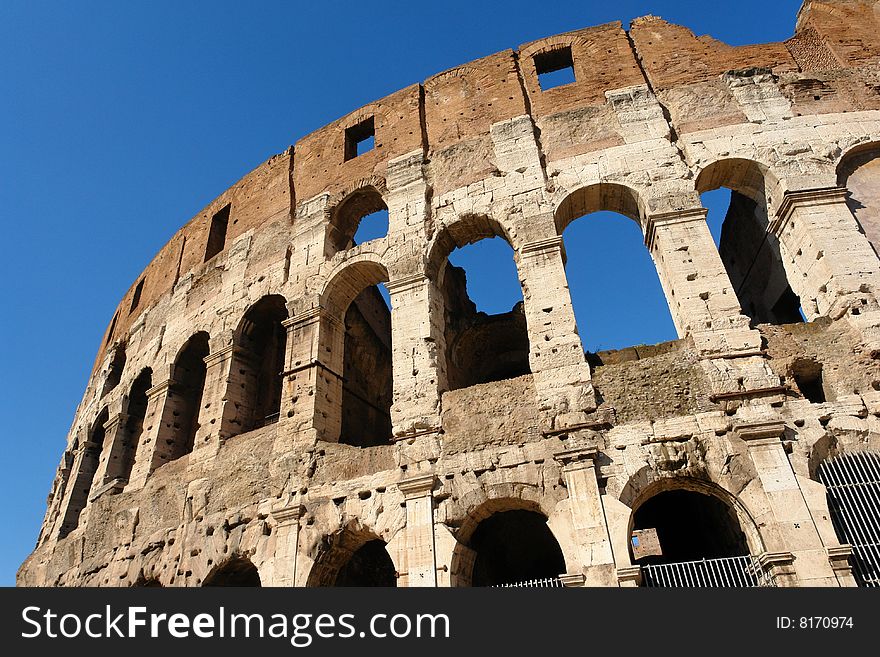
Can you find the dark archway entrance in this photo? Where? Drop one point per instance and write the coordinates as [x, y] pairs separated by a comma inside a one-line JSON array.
[[236, 572], [370, 565]]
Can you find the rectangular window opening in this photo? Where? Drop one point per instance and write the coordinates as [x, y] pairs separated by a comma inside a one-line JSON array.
[[136, 297], [360, 139], [555, 68], [217, 235]]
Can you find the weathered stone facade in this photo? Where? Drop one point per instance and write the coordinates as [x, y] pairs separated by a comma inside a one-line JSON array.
[[255, 410]]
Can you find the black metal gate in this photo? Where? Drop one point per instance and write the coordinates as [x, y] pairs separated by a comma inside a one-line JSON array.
[[853, 483]]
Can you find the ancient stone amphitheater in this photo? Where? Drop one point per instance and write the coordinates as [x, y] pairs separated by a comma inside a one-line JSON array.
[[257, 415]]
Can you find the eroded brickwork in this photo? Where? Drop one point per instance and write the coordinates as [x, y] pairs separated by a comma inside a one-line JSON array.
[[257, 414]]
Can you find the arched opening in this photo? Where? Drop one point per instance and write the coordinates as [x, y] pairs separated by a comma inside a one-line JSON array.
[[750, 254], [859, 173], [147, 582], [134, 424], [686, 538], [485, 333], [616, 294], [356, 295], [261, 342], [353, 558], [117, 365], [360, 217], [85, 475], [238, 571], [515, 547], [852, 482], [185, 396]]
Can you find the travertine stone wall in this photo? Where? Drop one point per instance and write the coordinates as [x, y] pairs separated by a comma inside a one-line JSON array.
[[656, 116]]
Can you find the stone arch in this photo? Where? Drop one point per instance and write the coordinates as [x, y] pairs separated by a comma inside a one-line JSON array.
[[178, 437], [751, 253], [86, 466], [354, 555], [117, 365], [834, 443], [647, 484], [613, 197], [259, 348], [477, 347], [858, 170], [136, 412], [487, 501], [346, 210], [358, 333], [235, 571]]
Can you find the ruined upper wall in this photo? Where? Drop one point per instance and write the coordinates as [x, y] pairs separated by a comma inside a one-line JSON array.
[[448, 118]]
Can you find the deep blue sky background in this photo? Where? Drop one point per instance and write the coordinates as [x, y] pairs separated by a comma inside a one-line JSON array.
[[121, 120]]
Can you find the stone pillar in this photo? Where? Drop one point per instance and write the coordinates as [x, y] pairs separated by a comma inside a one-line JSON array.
[[217, 411], [705, 307], [108, 476], [417, 346], [830, 263], [556, 355], [792, 540], [587, 517], [158, 421], [286, 544], [312, 396], [421, 559]]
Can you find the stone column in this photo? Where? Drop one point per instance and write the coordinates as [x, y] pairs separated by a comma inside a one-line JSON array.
[[286, 544], [705, 307], [794, 548], [830, 263], [587, 517], [217, 411], [108, 477], [556, 355], [417, 346], [312, 396], [158, 421], [421, 559]]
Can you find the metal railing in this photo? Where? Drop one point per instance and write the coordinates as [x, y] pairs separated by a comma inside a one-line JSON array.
[[853, 484], [729, 572], [545, 583]]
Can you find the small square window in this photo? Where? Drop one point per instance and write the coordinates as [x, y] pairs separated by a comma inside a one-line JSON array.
[[360, 139], [555, 68], [136, 297], [217, 234]]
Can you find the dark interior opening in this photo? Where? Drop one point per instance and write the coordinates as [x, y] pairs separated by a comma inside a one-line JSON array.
[[359, 138], [264, 338], [117, 365], [237, 572], [134, 425], [690, 526], [370, 565], [807, 376], [82, 484], [217, 234], [367, 386], [515, 546], [189, 380], [136, 297], [555, 68]]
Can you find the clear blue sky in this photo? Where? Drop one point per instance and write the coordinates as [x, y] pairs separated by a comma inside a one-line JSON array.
[[121, 120]]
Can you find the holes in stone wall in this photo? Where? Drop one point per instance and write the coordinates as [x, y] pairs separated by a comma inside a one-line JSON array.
[[217, 233], [360, 139], [555, 68]]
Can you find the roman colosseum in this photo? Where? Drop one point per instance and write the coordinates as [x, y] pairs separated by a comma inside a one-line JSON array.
[[257, 415]]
